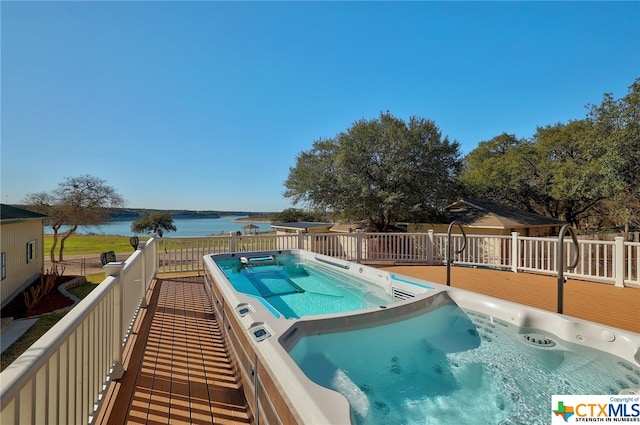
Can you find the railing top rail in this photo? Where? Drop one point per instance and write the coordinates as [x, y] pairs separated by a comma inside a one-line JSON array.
[[132, 259], [555, 239], [533, 238], [484, 235], [594, 242], [173, 238], [473, 235]]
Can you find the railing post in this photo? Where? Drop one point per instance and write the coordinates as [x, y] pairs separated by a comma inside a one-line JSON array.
[[115, 269], [301, 233], [515, 252], [618, 261], [430, 249], [359, 233], [143, 278], [232, 241], [153, 244]]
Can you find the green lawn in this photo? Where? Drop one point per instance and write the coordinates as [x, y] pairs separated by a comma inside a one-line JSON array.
[[90, 244], [38, 329]]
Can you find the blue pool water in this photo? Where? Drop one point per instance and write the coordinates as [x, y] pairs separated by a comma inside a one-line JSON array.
[[294, 288], [450, 366]]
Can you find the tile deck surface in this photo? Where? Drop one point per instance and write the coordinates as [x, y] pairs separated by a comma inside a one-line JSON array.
[[178, 370]]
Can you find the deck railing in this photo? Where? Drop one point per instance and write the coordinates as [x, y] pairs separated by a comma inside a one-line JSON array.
[[63, 376], [616, 262]]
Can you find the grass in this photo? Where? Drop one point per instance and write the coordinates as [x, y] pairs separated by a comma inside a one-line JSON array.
[[97, 244], [93, 280], [83, 290], [45, 322], [38, 329], [90, 244]]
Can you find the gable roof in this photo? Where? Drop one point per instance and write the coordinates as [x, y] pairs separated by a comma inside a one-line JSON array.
[[477, 213], [10, 213]]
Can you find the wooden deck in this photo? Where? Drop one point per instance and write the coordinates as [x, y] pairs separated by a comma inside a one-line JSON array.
[[177, 368], [596, 302], [178, 371]]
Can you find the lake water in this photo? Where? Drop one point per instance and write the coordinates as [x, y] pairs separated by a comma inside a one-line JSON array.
[[186, 227]]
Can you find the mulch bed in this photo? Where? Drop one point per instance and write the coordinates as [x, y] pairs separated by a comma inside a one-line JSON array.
[[54, 300]]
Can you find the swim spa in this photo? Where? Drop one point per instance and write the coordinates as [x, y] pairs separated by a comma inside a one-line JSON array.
[[293, 287], [420, 357]]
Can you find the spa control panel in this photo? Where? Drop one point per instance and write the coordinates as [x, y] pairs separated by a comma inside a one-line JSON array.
[[244, 309], [259, 333]]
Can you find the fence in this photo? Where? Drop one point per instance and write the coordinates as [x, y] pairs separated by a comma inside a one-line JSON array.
[[616, 262], [607, 261], [62, 377]]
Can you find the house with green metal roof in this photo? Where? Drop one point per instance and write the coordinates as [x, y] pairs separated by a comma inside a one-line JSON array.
[[21, 250]]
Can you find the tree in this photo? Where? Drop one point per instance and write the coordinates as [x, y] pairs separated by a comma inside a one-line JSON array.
[[560, 173], [617, 130], [382, 169], [291, 215], [503, 170], [84, 200], [572, 170], [157, 222]]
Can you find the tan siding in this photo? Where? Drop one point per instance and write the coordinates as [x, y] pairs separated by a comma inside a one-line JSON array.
[[15, 236]]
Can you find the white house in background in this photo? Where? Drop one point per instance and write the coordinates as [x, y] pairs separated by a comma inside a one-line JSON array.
[[22, 260]]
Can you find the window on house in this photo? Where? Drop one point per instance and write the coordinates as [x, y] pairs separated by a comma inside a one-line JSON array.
[[3, 261], [32, 250]]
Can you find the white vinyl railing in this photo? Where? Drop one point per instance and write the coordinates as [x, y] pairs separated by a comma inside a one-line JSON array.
[[630, 264], [616, 262], [63, 376]]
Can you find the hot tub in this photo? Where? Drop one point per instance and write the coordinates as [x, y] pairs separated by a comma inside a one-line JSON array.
[[415, 352]]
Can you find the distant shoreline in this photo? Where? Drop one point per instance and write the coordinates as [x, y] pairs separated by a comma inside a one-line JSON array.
[[251, 220], [124, 214], [186, 227], [260, 218]]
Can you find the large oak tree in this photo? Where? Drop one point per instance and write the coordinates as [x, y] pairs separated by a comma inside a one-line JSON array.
[[617, 129], [582, 171], [383, 170], [502, 169]]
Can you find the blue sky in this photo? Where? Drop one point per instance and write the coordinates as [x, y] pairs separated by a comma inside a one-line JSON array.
[[205, 105]]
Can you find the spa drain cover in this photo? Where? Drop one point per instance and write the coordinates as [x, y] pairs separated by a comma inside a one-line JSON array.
[[538, 340]]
